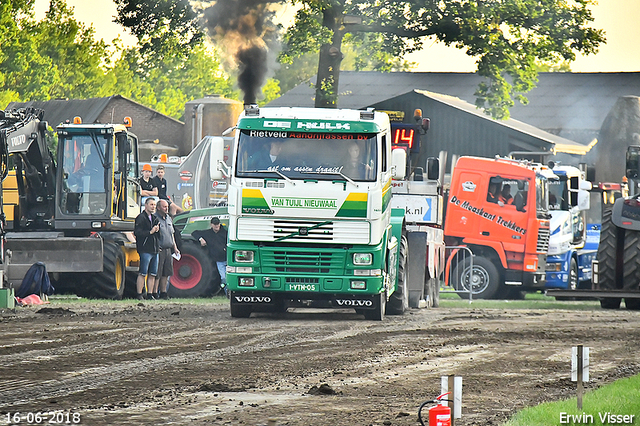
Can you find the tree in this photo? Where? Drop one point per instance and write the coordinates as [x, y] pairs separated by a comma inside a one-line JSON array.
[[507, 37], [163, 27]]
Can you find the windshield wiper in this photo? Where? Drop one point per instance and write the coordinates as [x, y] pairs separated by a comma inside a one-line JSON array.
[[345, 177], [278, 172], [305, 230]]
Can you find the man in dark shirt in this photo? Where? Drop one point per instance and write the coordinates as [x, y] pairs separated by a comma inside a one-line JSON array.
[[215, 239], [161, 183], [148, 189], [147, 233]]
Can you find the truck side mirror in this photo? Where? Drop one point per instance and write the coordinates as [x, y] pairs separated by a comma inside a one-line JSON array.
[[398, 163], [216, 157], [433, 168]]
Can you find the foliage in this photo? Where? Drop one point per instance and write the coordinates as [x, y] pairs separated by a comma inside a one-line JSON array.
[[172, 82], [164, 28], [58, 57], [506, 37]]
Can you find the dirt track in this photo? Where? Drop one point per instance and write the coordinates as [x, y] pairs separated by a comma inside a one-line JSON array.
[[176, 363]]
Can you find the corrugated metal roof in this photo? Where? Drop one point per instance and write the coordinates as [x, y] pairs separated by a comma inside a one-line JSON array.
[[58, 110], [561, 144], [562, 103]]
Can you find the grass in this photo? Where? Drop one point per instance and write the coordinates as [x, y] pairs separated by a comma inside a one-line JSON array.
[[531, 301], [619, 398]]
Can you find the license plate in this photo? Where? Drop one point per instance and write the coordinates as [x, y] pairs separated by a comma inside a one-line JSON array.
[[302, 287]]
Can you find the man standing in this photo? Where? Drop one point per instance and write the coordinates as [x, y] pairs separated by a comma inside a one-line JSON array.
[[147, 233], [168, 246], [161, 183], [215, 239], [147, 188]]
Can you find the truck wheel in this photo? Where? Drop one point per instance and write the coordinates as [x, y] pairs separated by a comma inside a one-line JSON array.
[[110, 283], [632, 304], [484, 280], [573, 275], [609, 259], [377, 314], [433, 290], [192, 274], [399, 300], [238, 310]]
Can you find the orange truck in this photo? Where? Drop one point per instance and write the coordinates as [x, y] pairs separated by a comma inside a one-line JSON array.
[[497, 223]]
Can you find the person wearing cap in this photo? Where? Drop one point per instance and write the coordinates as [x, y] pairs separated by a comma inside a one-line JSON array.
[[148, 189], [215, 240], [161, 184]]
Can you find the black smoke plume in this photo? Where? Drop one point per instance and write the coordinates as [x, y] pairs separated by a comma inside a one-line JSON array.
[[245, 29], [253, 72]]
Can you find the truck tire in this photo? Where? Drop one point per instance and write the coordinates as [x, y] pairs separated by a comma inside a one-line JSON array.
[[130, 285], [399, 300], [377, 314], [110, 283], [238, 310], [609, 262], [193, 274], [484, 280], [632, 304], [433, 291], [572, 284]]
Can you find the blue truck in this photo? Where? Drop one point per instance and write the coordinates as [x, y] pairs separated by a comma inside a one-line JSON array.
[[573, 243]]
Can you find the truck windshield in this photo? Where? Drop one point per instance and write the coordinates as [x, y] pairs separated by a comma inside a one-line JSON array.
[[304, 155], [83, 174], [558, 194]]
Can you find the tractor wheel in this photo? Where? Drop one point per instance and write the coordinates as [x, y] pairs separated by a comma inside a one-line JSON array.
[[377, 314], [193, 273], [609, 260], [110, 283], [399, 300], [483, 281]]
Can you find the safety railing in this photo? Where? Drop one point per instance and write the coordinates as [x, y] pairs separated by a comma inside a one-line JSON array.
[[460, 281]]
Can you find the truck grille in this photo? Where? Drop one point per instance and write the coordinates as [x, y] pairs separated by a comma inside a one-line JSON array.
[[543, 241], [336, 231], [302, 262]]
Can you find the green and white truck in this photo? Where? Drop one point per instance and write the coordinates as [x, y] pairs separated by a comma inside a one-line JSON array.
[[310, 215]]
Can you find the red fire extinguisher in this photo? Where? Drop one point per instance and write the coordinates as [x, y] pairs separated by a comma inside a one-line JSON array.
[[439, 415]]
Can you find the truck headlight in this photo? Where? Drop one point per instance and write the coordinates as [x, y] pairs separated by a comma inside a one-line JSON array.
[[358, 285], [362, 259], [243, 256], [245, 282], [554, 267]]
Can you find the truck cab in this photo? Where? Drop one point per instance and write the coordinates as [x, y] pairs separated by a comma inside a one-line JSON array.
[[310, 220], [498, 209], [573, 243]]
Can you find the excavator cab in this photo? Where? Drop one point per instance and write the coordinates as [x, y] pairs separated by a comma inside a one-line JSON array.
[[97, 178]]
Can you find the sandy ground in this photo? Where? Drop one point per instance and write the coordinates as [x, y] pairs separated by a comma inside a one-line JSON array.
[[166, 362]]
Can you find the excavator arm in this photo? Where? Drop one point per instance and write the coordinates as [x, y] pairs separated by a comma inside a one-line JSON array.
[[23, 134]]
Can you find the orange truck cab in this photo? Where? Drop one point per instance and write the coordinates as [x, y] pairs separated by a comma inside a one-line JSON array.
[[498, 209]]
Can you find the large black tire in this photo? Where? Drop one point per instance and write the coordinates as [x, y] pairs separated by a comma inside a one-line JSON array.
[[484, 280], [433, 291], [238, 310], [377, 314], [632, 304], [609, 259], [573, 275], [399, 300], [130, 285], [193, 275], [110, 283]]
